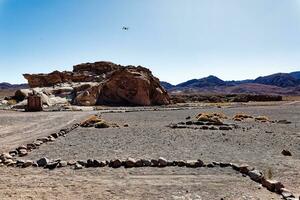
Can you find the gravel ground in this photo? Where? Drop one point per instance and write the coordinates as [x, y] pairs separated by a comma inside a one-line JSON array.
[[149, 137], [18, 128]]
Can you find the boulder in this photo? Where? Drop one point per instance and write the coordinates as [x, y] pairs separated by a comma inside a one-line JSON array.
[[133, 86]]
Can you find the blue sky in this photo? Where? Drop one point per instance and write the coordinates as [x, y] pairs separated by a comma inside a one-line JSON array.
[[177, 39]]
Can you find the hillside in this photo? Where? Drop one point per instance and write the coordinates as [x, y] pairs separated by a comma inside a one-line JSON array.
[[277, 84]]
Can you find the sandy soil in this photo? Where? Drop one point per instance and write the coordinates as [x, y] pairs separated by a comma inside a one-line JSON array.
[[149, 137]]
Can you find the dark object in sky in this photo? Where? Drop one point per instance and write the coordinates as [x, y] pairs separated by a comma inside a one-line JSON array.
[[125, 28]]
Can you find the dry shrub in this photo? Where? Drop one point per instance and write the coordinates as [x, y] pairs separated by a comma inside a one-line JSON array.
[[91, 121], [97, 122], [241, 117], [11, 102], [262, 119], [102, 124], [269, 173], [211, 117]]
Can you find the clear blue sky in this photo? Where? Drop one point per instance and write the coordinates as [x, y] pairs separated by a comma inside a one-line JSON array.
[[177, 39]]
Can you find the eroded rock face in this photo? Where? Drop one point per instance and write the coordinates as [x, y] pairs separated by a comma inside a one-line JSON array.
[[97, 67], [133, 86], [100, 83], [56, 77]]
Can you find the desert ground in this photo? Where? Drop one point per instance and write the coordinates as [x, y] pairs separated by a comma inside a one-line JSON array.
[[148, 136]]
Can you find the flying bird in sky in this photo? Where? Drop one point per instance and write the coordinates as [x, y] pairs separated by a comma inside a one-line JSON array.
[[125, 28]]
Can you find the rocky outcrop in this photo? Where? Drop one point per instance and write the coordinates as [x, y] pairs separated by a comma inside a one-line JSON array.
[[100, 83], [56, 77], [97, 67], [133, 86]]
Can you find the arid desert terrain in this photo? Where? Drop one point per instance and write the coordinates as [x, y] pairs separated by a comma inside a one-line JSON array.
[[150, 133]]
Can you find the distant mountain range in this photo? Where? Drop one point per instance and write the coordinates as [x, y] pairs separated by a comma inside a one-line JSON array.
[[6, 86], [279, 83]]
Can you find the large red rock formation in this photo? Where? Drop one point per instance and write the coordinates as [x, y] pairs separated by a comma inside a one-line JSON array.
[[115, 84]]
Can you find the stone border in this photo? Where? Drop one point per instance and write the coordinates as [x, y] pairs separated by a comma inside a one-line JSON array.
[[245, 170]]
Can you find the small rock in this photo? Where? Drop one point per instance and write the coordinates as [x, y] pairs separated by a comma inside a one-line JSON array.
[[283, 122], [154, 163], [216, 163], [78, 166], [82, 162], [31, 146], [213, 128], [146, 163], [225, 128], [286, 193], [130, 162], [96, 163], [13, 153], [27, 163], [20, 163], [181, 163], [23, 152], [51, 165], [126, 125], [162, 162], [38, 143], [224, 164], [188, 117], [199, 123], [55, 135], [22, 147], [244, 169], [272, 185], [286, 153], [193, 163], [189, 123], [10, 163], [139, 163], [255, 175], [235, 166], [210, 165], [90, 163], [115, 163], [44, 139], [71, 162], [5, 156], [42, 162], [62, 163], [51, 138], [204, 127]]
